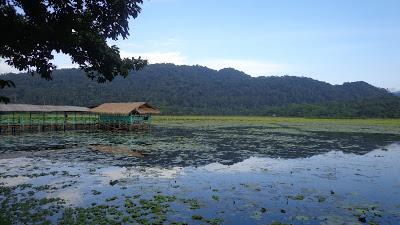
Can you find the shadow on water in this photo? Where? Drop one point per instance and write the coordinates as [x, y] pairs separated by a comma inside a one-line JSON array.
[[169, 147]]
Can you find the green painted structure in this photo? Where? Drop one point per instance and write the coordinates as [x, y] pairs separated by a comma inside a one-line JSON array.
[[16, 118], [20, 117], [125, 116], [24, 119], [125, 119]]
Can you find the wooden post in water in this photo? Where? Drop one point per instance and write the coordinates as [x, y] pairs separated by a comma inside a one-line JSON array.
[[39, 126], [30, 121], [74, 120], [65, 121], [51, 122], [21, 121], [13, 124], [43, 121], [130, 122]]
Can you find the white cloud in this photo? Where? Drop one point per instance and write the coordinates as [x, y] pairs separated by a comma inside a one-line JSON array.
[[158, 57], [165, 44], [60, 60], [396, 89], [5, 68], [251, 67], [64, 61]]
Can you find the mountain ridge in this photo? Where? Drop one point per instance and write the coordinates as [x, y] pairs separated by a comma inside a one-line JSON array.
[[196, 89]]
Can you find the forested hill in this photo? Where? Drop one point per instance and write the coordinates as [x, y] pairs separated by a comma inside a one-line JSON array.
[[186, 89]]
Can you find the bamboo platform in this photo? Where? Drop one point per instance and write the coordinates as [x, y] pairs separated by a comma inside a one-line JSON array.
[[17, 128], [18, 118], [18, 125]]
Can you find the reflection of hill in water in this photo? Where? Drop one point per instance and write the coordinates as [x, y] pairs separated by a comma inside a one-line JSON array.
[[166, 147]]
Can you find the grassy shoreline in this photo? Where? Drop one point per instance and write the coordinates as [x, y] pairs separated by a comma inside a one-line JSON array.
[[267, 119], [379, 126]]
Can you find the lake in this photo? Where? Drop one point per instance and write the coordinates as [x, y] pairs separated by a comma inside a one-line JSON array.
[[204, 172]]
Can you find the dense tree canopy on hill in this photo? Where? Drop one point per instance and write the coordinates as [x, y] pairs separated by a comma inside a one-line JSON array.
[[189, 90], [34, 30], [383, 107]]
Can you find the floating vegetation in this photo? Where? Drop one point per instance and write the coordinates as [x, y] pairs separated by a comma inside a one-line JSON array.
[[111, 199], [193, 203], [121, 150], [215, 197], [302, 218], [26, 210], [279, 223], [298, 197], [197, 217], [257, 215], [144, 211], [321, 198], [236, 171], [95, 192]]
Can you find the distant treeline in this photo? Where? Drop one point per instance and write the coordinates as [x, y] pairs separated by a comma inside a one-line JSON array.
[[384, 107], [200, 90], [387, 107]]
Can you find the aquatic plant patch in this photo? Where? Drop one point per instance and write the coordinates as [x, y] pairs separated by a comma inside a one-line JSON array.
[[192, 171]]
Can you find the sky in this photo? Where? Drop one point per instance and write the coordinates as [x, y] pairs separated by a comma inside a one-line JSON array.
[[329, 40]]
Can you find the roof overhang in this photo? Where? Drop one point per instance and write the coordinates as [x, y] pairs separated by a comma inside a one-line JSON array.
[[125, 108], [8, 108]]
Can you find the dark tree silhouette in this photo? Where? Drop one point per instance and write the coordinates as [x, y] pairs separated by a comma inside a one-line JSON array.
[[34, 30]]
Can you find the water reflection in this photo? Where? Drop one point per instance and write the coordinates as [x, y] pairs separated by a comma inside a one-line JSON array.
[[333, 188], [182, 147]]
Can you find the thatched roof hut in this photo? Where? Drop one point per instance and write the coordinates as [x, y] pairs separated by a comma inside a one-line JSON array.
[[9, 108], [125, 108]]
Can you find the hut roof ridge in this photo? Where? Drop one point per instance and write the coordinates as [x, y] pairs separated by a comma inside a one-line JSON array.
[[40, 108], [125, 108]]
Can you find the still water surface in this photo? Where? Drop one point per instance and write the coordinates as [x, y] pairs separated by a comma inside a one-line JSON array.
[[214, 175]]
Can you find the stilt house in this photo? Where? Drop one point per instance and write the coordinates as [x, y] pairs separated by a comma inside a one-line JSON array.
[[124, 116], [22, 117]]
